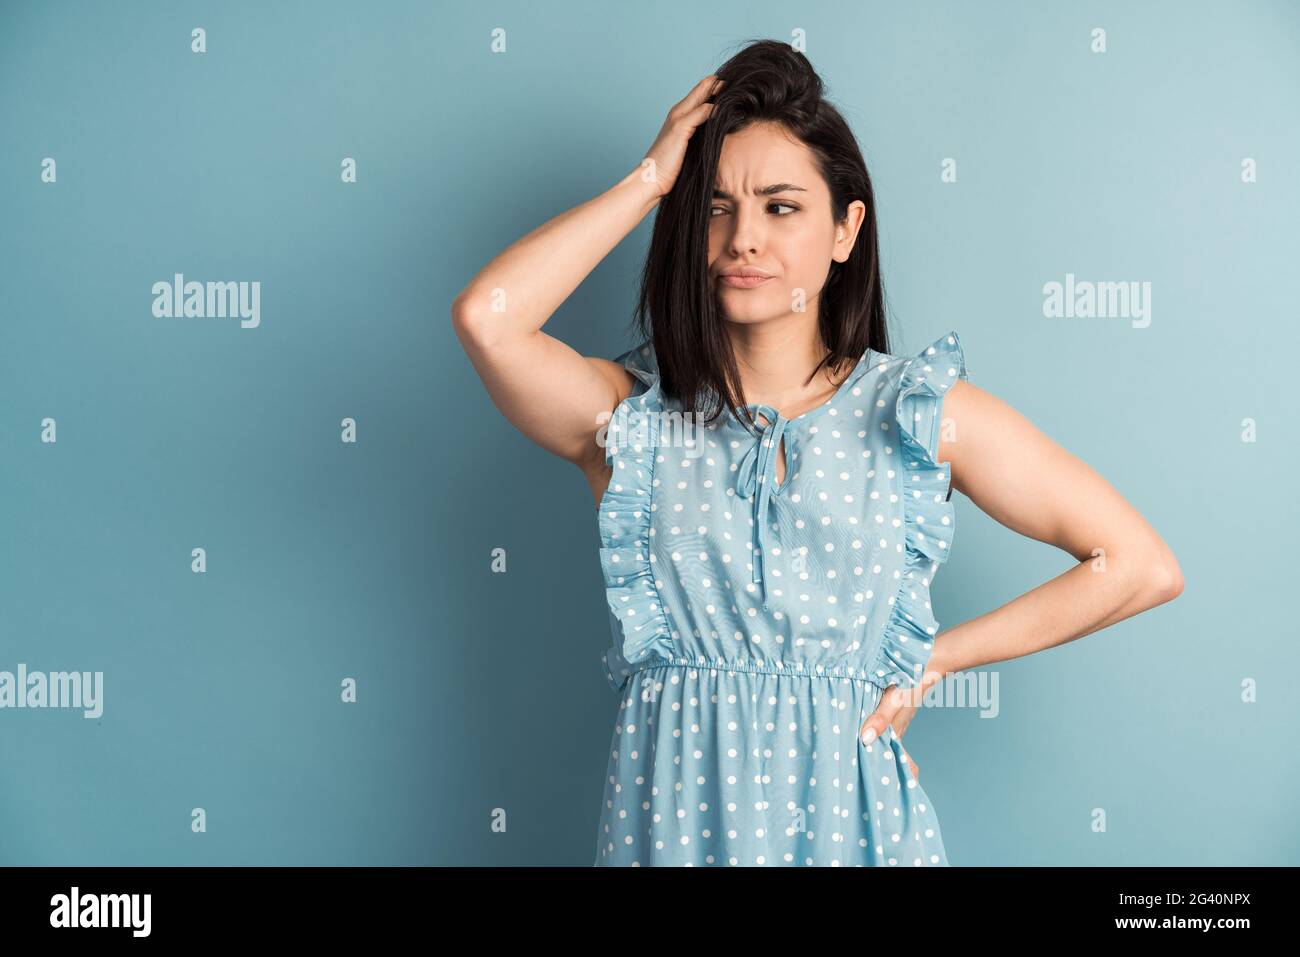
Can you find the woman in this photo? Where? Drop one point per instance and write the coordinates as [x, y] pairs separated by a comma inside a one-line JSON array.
[[769, 533]]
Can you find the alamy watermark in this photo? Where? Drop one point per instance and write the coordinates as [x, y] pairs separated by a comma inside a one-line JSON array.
[[958, 689], [76, 909], [54, 689], [678, 430], [179, 299], [1082, 299]]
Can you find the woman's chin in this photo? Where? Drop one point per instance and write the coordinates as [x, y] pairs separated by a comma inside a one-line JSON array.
[[742, 309]]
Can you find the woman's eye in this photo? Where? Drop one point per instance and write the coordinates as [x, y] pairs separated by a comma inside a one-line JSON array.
[[793, 209]]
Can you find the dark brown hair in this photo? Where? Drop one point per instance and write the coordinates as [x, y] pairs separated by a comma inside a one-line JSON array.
[[767, 81]]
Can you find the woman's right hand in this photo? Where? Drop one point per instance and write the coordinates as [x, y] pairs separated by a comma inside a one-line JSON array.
[[663, 163]]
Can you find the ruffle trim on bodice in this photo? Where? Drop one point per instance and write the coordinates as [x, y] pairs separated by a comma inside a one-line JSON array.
[[908, 637], [638, 618], [631, 440]]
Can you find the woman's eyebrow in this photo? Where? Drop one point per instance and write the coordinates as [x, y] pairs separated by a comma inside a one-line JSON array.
[[762, 191]]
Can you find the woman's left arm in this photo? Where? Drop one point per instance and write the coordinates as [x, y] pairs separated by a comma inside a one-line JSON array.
[[1024, 480], [1019, 476]]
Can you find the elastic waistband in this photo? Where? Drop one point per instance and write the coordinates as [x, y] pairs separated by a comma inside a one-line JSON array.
[[796, 670]]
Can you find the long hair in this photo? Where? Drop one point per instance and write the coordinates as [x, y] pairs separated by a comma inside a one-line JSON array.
[[767, 81]]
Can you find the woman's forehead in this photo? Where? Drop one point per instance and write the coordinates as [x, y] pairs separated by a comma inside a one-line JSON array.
[[752, 161]]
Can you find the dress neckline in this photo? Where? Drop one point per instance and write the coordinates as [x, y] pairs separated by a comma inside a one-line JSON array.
[[849, 380]]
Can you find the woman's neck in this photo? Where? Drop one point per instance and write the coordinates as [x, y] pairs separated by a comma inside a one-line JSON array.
[[774, 361]]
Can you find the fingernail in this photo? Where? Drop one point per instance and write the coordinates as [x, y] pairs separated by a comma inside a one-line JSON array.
[[869, 735]]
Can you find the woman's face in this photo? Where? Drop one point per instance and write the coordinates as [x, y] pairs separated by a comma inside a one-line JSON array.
[[771, 212]]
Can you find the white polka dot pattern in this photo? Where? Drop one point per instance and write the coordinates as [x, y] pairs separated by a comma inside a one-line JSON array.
[[755, 624]]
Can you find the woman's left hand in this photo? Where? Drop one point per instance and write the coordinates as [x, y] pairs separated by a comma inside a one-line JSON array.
[[899, 705], [895, 709]]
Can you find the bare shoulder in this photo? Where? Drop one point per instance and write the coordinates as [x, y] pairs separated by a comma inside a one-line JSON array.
[[1016, 473], [976, 419], [965, 402]]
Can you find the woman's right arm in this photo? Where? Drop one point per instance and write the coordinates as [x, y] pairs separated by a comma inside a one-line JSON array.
[[550, 392], [546, 389]]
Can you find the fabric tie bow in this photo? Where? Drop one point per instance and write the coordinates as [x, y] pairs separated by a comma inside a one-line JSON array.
[[756, 478]]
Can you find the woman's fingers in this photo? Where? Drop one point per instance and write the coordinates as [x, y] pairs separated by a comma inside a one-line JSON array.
[[891, 704], [879, 719], [697, 116], [669, 148], [684, 124], [699, 93]]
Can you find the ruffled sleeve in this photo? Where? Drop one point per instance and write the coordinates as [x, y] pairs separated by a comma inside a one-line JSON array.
[[927, 514], [637, 618]]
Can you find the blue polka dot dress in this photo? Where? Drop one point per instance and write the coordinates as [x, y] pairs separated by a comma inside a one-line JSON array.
[[756, 624]]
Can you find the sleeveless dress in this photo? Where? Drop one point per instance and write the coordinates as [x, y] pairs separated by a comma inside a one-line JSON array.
[[756, 625]]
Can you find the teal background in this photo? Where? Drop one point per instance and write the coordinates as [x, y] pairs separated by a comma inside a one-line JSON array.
[[478, 690]]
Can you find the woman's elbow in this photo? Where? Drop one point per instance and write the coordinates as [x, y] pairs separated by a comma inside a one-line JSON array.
[[473, 327], [1166, 582]]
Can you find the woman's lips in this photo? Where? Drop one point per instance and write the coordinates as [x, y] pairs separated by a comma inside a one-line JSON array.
[[745, 282]]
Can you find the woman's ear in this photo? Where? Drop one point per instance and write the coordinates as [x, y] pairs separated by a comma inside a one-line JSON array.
[[847, 231]]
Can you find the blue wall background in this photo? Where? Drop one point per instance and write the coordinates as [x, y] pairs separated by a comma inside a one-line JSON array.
[[479, 690]]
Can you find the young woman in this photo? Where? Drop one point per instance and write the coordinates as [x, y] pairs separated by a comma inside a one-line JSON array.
[[772, 488]]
